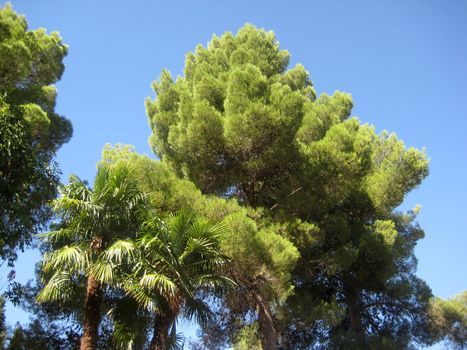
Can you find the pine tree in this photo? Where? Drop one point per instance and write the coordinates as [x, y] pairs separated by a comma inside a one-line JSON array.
[[240, 125], [31, 132]]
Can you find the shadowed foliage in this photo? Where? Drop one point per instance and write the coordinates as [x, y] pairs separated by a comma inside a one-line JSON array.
[[31, 131]]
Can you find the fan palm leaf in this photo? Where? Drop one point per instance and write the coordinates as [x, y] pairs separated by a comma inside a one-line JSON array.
[[94, 238]]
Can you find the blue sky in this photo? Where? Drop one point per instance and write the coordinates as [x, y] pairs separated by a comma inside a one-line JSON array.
[[404, 62]]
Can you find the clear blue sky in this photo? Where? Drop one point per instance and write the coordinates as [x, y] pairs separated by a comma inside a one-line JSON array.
[[404, 62]]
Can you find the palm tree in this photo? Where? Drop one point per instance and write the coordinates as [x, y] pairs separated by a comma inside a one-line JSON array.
[[186, 258], [168, 269], [90, 220]]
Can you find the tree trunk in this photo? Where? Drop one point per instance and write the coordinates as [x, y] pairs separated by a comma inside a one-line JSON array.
[[266, 324], [92, 305], [355, 315], [161, 331]]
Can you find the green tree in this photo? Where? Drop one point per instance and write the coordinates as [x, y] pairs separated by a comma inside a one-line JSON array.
[[91, 220], [247, 339], [239, 124], [61, 323], [180, 260], [239, 96], [35, 337], [361, 250], [261, 259], [17, 340], [30, 130], [448, 320]]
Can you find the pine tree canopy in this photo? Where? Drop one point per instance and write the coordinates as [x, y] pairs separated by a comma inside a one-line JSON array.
[[31, 132], [242, 125]]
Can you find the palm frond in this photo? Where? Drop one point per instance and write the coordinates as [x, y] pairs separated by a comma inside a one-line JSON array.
[[160, 283], [197, 310], [100, 181], [103, 271], [206, 264], [72, 258], [153, 244], [59, 288], [206, 229], [76, 188], [130, 324], [175, 341], [123, 338], [57, 235], [67, 204], [179, 225], [144, 297], [200, 246], [121, 251], [215, 282]]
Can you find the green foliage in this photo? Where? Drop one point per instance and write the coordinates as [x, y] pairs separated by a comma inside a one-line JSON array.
[[36, 337], [30, 130], [236, 94], [257, 250], [448, 320], [248, 339], [299, 195], [261, 258], [31, 61], [162, 271], [22, 204], [180, 258], [153, 266], [91, 221], [240, 125]]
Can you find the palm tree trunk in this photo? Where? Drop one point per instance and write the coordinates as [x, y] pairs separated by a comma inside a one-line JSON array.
[[162, 325], [267, 331], [355, 316], [92, 305]]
